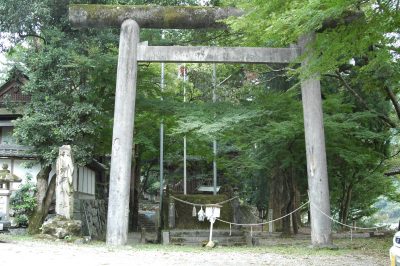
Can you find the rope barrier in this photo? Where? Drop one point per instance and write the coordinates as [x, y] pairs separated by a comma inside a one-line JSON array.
[[267, 222], [277, 219], [197, 204], [349, 226]]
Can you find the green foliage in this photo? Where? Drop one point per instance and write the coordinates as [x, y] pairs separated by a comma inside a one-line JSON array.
[[346, 29], [23, 202], [355, 53]]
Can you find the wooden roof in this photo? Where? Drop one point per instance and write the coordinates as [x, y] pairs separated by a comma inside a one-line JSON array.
[[11, 90]]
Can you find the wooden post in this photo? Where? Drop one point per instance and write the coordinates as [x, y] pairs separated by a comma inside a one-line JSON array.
[[321, 235], [118, 203]]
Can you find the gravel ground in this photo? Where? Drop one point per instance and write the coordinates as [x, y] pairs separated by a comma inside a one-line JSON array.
[[58, 254]]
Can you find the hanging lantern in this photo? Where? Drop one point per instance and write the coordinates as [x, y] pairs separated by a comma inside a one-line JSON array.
[[201, 215]]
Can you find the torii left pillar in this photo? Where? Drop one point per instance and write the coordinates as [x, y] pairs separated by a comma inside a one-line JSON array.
[[125, 95]]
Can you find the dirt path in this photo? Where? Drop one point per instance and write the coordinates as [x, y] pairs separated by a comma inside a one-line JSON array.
[[59, 254]]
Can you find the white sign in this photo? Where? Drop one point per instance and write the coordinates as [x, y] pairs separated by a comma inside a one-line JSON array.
[[213, 211]]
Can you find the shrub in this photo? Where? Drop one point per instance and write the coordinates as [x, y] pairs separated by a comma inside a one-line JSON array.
[[23, 202]]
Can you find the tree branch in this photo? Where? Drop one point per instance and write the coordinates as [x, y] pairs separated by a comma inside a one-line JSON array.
[[33, 35], [393, 99], [350, 89], [361, 100]]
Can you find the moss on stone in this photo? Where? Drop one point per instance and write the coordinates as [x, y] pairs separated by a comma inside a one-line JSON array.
[[148, 16], [185, 220]]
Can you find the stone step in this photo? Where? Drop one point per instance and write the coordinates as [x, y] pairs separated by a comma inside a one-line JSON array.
[[145, 221], [205, 233], [267, 235], [201, 240], [147, 226]]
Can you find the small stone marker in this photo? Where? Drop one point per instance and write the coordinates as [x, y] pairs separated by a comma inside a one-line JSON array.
[[270, 218]]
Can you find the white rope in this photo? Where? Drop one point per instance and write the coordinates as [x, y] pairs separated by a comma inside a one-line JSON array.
[[225, 201], [349, 226], [277, 219], [203, 204], [267, 222]]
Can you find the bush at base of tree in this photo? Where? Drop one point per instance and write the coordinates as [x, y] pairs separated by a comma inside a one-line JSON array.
[[23, 202]]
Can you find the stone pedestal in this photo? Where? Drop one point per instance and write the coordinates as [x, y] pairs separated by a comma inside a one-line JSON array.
[[5, 209], [6, 179], [5, 204], [61, 227], [165, 237]]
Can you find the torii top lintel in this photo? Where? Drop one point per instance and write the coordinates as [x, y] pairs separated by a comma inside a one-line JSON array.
[[160, 17]]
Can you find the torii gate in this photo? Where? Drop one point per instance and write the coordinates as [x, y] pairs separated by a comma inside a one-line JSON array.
[[130, 19]]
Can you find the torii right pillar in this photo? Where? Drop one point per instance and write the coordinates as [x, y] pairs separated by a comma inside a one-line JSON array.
[[321, 234]]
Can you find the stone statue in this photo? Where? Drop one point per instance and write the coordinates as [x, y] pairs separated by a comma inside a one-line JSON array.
[[64, 186]]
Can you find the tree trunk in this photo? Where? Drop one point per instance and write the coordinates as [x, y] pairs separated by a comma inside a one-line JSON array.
[[295, 203], [276, 199], [134, 191], [50, 193], [44, 195], [341, 207], [103, 185], [346, 205], [287, 195]]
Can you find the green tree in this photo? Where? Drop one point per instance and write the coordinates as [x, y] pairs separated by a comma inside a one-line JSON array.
[[351, 36]]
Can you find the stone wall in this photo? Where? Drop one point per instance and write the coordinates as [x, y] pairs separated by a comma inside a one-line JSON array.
[[93, 214]]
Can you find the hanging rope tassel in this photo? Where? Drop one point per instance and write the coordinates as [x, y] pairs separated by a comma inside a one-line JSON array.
[[251, 231], [201, 214], [230, 229], [194, 211]]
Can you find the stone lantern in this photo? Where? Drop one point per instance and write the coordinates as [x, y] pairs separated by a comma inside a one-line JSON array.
[[6, 178]]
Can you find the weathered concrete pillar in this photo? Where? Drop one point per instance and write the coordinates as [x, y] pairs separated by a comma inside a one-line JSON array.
[[171, 215], [120, 172], [321, 235], [270, 218]]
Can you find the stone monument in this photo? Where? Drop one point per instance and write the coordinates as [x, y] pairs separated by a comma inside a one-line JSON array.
[[64, 183]]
